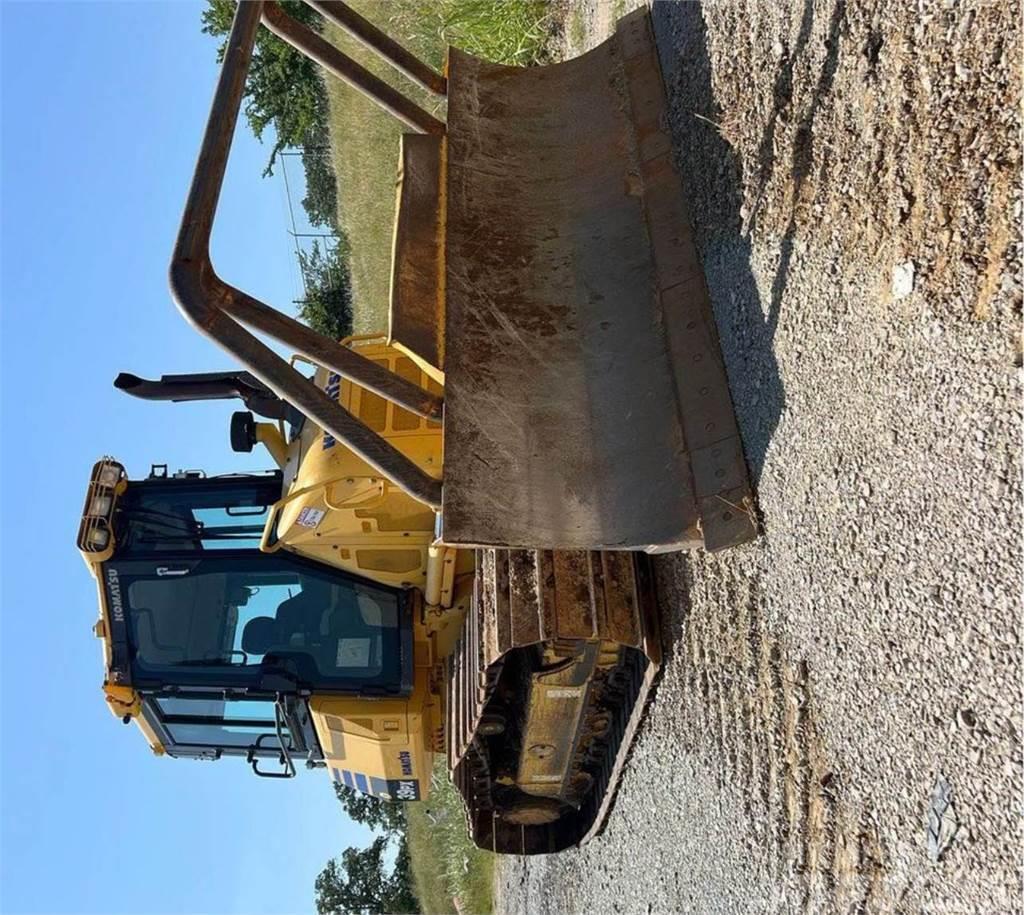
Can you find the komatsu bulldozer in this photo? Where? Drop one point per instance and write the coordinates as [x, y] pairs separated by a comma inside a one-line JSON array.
[[449, 554]]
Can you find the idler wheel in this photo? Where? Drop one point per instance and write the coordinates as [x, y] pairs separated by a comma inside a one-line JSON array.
[[491, 725]]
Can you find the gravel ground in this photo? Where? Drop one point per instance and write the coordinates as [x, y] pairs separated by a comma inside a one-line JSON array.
[[854, 176]]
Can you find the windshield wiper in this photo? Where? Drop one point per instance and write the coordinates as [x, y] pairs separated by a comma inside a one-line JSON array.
[[238, 532], [197, 532], [213, 662], [206, 662]]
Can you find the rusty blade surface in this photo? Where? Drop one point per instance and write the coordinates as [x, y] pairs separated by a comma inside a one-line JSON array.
[[587, 406]]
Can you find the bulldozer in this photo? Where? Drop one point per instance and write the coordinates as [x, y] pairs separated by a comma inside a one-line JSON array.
[[450, 553]]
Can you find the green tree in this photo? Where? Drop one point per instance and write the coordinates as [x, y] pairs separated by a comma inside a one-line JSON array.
[[321, 200], [358, 882], [327, 303], [374, 812], [284, 88], [404, 896]]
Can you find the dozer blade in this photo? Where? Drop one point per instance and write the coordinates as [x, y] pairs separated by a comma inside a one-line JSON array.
[[587, 405]]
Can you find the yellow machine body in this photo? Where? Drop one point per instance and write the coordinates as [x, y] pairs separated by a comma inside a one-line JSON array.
[[339, 510], [547, 300], [335, 509], [381, 747]]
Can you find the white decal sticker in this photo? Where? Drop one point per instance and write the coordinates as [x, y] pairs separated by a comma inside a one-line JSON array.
[[310, 517], [407, 791], [353, 652], [563, 692], [114, 590]]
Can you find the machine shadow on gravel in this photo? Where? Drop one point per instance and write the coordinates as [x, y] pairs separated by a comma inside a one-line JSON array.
[[803, 146], [711, 176]]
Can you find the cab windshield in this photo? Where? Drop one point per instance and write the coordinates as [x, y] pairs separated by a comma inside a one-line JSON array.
[[241, 618]]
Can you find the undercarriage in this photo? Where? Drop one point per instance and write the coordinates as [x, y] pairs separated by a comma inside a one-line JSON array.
[[545, 691]]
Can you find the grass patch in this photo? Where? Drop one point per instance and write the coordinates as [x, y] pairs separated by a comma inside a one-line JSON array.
[[445, 862], [577, 28], [364, 140]]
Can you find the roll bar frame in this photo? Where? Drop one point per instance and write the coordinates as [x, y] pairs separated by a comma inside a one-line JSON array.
[[222, 312]]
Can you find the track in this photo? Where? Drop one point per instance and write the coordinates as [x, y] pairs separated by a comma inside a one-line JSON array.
[[523, 598], [816, 683]]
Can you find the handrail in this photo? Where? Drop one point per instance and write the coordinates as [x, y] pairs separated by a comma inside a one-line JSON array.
[[269, 542], [335, 356], [215, 308]]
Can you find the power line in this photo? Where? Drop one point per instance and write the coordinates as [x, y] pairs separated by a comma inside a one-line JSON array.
[[296, 234]]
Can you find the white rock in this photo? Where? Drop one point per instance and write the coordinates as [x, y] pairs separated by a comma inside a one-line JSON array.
[[903, 280]]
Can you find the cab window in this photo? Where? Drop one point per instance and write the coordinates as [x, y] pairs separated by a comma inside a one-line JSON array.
[[200, 514], [231, 617], [216, 723]]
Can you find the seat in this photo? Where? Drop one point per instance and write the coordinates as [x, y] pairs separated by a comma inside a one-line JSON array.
[[260, 635], [302, 614]]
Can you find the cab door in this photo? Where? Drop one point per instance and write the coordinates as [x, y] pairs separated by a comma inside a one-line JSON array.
[[210, 726], [267, 623]]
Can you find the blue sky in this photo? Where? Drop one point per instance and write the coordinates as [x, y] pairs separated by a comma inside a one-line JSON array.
[[98, 145]]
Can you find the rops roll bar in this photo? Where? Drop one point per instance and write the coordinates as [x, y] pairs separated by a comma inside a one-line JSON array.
[[222, 312]]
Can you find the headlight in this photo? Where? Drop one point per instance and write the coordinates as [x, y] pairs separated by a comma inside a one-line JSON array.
[[100, 505], [98, 538], [110, 475], [95, 536]]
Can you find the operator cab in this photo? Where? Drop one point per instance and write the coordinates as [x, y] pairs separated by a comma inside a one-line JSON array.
[[222, 642]]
